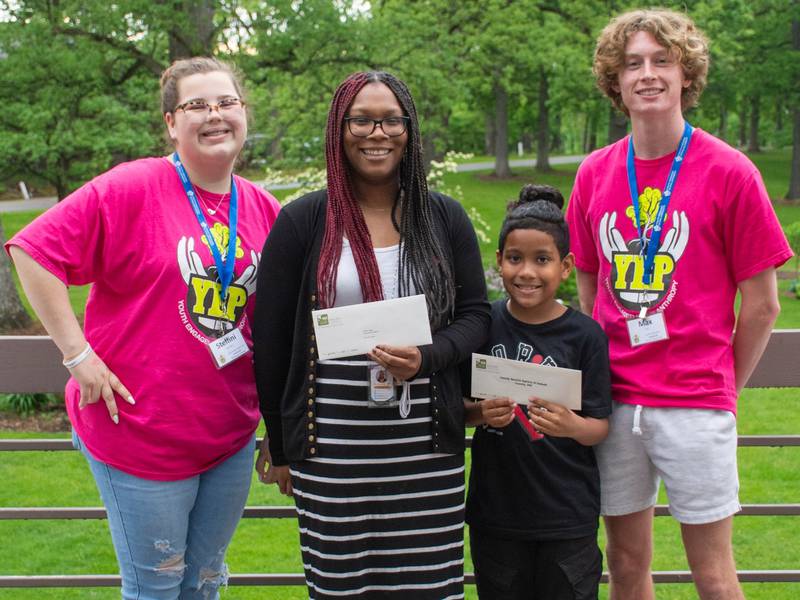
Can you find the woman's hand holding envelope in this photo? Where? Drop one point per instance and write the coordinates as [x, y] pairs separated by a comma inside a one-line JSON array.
[[403, 362]]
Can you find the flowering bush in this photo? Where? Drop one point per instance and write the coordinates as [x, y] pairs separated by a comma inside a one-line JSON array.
[[792, 232], [436, 181], [310, 179]]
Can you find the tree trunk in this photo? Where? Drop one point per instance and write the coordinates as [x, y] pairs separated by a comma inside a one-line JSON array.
[[723, 122], [557, 140], [743, 124], [428, 151], [543, 128], [590, 132], [755, 116], [198, 38], [617, 125], [489, 135], [587, 124], [62, 191], [501, 166], [527, 141], [794, 177], [13, 315]]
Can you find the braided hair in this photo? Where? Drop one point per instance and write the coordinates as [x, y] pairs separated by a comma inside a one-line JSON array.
[[538, 207], [423, 265]]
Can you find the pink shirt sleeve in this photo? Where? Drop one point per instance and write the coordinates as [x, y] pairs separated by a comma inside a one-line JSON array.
[[67, 240], [752, 233], [582, 241]]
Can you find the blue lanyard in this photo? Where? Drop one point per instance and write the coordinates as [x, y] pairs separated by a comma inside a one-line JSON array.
[[661, 215], [224, 267]]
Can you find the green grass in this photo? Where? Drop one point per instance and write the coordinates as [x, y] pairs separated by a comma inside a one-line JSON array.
[[768, 475]]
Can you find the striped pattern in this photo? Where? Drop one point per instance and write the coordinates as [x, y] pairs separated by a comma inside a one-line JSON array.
[[380, 515]]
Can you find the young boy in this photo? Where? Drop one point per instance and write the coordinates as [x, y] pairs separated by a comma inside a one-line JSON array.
[[534, 503], [667, 225]]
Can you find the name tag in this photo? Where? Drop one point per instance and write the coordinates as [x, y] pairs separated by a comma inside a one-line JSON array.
[[650, 329], [228, 348]]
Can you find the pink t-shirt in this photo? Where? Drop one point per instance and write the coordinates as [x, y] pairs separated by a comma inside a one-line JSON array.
[[720, 229], [152, 308]]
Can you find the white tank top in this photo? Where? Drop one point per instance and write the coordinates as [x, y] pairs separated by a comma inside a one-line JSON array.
[[348, 288]]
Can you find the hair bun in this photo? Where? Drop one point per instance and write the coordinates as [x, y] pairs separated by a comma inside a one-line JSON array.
[[543, 202], [533, 192]]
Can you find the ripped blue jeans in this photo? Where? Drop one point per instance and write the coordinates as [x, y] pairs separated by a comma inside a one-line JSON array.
[[170, 537]]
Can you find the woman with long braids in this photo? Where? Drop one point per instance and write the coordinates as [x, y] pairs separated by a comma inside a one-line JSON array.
[[379, 489]]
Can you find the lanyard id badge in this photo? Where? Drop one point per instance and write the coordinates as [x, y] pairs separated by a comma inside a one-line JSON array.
[[228, 347], [648, 247], [381, 387], [647, 330]]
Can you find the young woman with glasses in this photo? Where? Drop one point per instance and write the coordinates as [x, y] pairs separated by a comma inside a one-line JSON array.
[[161, 396], [379, 489]]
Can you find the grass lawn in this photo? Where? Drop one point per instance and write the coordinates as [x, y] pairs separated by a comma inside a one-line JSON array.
[[768, 475]]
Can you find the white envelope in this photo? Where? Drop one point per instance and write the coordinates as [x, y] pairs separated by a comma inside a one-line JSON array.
[[494, 377], [358, 328]]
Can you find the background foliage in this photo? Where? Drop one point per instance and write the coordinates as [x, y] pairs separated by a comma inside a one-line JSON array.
[[79, 78]]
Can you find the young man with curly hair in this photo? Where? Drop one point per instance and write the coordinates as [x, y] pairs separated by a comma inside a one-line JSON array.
[[667, 225]]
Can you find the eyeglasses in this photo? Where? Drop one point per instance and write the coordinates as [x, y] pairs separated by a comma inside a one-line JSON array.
[[201, 107], [364, 126]]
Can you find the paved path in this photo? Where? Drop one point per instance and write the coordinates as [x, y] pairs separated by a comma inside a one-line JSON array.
[[23, 205], [522, 162], [44, 203]]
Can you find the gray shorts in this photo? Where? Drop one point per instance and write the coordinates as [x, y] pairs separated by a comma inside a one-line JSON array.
[[692, 450]]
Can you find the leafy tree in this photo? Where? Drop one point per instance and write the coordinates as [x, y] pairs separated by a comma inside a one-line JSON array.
[[64, 121], [794, 178], [504, 57], [427, 44], [297, 53]]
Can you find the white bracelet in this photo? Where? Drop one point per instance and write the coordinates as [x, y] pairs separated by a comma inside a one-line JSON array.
[[74, 362]]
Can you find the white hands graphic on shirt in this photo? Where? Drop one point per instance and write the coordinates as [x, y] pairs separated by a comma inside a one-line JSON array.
[[189, 261], [611, 239], [249, 276], [673, 243], [190, 264]]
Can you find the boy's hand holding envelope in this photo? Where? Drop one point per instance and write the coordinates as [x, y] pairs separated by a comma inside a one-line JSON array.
[[497, 412], [553, 419]]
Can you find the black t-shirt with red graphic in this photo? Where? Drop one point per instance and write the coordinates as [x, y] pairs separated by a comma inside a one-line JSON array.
[[548, 489]]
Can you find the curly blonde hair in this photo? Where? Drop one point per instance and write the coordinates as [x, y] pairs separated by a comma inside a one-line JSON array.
[[673, 30]]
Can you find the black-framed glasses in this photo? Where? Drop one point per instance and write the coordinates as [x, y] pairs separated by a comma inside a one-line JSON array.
[[201, 107], [364, 126]]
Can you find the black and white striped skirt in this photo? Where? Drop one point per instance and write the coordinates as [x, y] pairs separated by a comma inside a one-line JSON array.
[[380, 515]]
